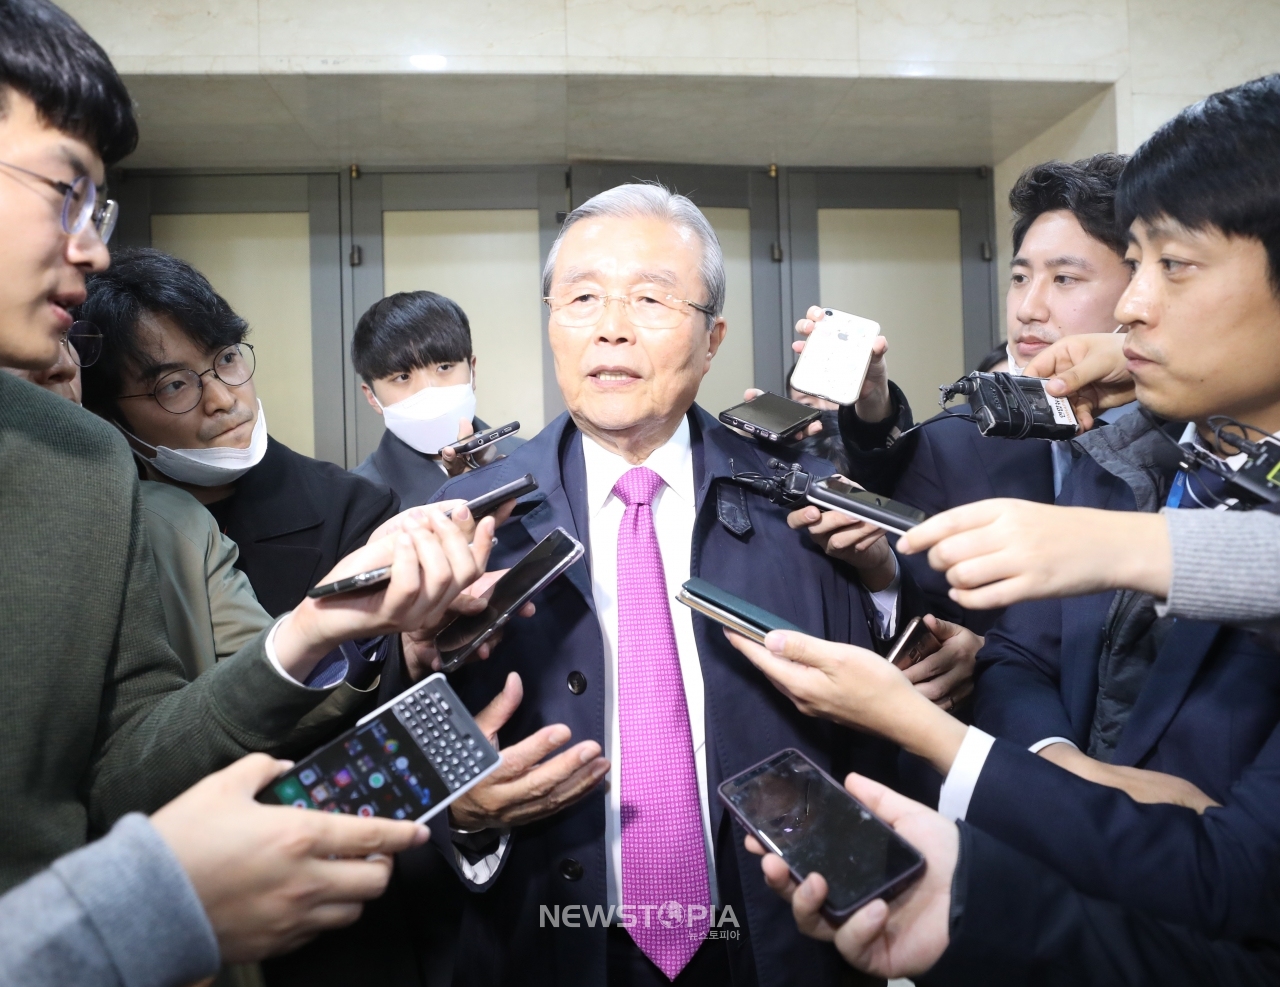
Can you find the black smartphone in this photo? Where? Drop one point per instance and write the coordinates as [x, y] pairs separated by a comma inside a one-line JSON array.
[[487, 503], [481, 439], [482, 506], [771, 417], [408, 759], [733, 612], [798, 811], [837, 493], [546, 560], [364, 580], [915, 643]]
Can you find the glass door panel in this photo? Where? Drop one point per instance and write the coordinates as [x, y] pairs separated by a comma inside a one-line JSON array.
[[260, 263], [488, 261], [900, 267]]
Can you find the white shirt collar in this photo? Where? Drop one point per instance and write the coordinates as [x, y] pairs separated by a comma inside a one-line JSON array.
[[673, 461]]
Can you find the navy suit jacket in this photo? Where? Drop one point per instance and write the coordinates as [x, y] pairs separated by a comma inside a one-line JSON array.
[[1208, 712], [944, 464], [741, 543], [1016, 923]]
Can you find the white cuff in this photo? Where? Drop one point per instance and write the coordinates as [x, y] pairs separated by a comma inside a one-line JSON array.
[[886, 603], [270, 647], [1040, 745], [962, 779], [482, 871]]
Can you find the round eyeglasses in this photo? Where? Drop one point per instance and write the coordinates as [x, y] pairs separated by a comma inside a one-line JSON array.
[[80, 205], [645, 306], [84, 343], [179, 391]]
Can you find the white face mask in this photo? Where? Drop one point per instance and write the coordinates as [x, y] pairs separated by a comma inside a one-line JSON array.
[[1014, 369], [428, 420], [209, 467]]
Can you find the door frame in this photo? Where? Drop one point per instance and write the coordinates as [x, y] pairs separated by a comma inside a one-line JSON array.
[[968, 190], [368, 194]]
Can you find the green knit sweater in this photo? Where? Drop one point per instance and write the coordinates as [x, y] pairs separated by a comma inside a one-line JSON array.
[[96, 718]]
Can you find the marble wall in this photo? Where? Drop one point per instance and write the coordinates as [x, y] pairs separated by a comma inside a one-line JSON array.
[[269, 64]]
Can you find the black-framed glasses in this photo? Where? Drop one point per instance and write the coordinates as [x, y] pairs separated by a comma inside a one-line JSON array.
[[80, 205], [179, 391], [84, 343]]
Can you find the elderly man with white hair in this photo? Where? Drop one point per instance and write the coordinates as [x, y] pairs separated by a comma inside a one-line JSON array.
[[613, 862]]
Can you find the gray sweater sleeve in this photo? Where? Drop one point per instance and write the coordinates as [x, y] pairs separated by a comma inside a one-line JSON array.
[[1226, 566], [117, 912]]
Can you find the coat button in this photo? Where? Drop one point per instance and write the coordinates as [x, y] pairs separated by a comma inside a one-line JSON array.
[[577, 683], [570, 869]]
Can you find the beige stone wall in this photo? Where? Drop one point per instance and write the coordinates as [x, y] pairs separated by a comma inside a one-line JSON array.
[[829, 82]]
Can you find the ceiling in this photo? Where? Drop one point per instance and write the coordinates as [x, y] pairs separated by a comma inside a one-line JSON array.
[[328, 121]]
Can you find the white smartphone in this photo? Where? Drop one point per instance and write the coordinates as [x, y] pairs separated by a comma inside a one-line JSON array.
[[834, 361]]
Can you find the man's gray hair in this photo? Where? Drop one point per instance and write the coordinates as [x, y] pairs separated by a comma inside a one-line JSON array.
[[652, 200]]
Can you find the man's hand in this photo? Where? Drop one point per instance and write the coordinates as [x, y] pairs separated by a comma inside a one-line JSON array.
[[1089, 370], [874, 403], [272, 877], [1140, 784], [460, 516], [903, 938], [431, 562], [997, 552], [524, 787], [857, 688], [946, 676], [421, 656], [454, 464], [855, 542]]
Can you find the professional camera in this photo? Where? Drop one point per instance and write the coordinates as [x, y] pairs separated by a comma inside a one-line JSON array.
[[1017, 407]]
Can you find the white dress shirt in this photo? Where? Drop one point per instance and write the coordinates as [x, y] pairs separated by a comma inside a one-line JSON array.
[[674, 512]]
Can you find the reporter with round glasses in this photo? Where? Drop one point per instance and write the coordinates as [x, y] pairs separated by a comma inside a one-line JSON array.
[[176, 377]]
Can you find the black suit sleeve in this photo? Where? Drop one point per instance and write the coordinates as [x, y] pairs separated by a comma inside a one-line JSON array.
[[1015, 922], [876, 459]]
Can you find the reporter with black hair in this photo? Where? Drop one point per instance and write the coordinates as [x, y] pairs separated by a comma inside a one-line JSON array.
[[176, 378], [413, 353], [1067, 275], [99, 723], [1170, 729]]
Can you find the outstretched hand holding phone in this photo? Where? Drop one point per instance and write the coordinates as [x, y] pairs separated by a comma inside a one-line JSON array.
[[431, 561], [270, 877], [903, 938]]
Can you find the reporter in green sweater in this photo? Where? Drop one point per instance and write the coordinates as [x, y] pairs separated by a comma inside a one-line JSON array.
[[96, 716]]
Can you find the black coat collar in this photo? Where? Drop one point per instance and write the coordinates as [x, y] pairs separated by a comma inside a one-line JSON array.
[[278, 497]]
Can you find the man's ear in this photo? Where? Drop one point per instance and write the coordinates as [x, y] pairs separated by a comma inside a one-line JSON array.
[[369, 396], [717, 332], [474, 359]]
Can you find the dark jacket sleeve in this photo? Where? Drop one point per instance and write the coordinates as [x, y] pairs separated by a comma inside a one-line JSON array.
[[1218, 872], [876, 458], [1017, 693], [1015, 922]]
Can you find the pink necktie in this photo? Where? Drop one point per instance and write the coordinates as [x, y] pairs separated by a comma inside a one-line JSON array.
[[664, 861]]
